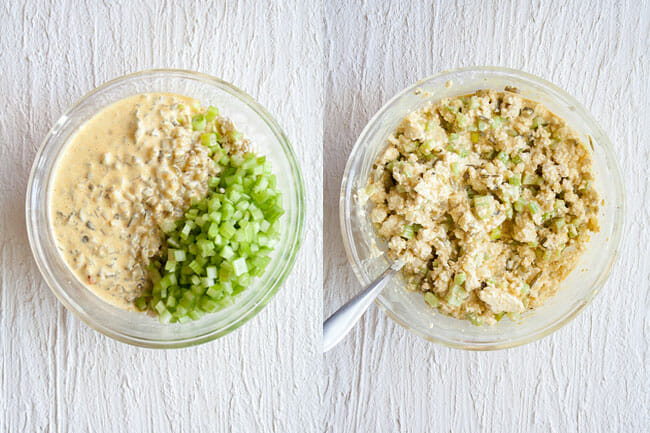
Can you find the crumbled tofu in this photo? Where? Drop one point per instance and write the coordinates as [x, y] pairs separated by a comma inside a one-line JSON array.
[[500, 301]]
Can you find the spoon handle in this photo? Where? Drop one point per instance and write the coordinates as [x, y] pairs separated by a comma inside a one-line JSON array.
[[339, 324]]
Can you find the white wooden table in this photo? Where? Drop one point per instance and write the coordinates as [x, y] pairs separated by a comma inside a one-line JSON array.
[[594, 374], [58, 375]]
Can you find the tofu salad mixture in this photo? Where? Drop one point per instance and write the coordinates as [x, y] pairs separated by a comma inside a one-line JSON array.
[[159, 205], [488, 199]]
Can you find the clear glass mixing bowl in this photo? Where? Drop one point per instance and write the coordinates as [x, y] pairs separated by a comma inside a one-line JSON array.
[[137, 328], [408, 308]]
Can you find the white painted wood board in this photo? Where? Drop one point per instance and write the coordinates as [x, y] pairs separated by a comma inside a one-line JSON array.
[[58, 375], [594, 374]]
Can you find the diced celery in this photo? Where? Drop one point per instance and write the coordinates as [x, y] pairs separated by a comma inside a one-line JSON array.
[[239, 266], [515, 179], [198, 122], [227, 230], [524, 289], [483, 205], [164, 316], [211, 113], [455, 296], [141, 303], [474, 319], [572, 231], [455, 168], [503, 157], [431, 299], [214, 293], [160, 307], [211, 272], [209, 139], [532, 179], [519, 205], [495, 234], [227, 252], [533, 207], [185, 232], [196, 314], [196, 267], [177, 255], [408, 231], [496, 122]]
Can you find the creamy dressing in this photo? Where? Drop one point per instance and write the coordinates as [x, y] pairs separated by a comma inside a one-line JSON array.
[[131, 168]]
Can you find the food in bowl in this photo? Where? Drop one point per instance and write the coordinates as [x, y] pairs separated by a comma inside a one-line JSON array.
[[488, 200], [160, 205]]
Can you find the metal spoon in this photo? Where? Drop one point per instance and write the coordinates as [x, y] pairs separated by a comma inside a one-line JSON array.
[[340, 323]]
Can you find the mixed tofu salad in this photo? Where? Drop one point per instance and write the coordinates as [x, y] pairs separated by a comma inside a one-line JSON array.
[[488, 198]]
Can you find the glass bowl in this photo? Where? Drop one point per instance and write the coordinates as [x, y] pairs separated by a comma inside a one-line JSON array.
[[138, 328], [408, 308]]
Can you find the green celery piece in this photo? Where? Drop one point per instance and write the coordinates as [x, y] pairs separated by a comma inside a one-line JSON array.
[[503, 157], [160, 307], [531, 179], [209, 139], [519, 205], [455, 168], [474, 319], [141, 303], [240, 266], [165, 316], [198, 122], [196, 267], [432, 300], [496, 122], [408, 232], [227, 230], [211, 113], [214, 293], [227, 252], [455, 296], [533, 207], [515, 179], [482, 205]]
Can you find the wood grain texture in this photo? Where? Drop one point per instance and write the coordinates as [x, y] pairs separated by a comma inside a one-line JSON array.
[[58, 375], [594, 374]]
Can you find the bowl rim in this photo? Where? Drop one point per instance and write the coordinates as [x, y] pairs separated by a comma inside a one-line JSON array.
[[350, 249], [246, 315]]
